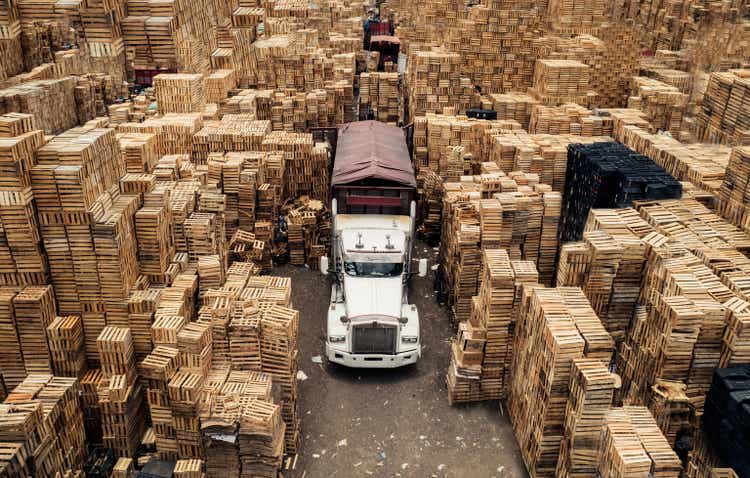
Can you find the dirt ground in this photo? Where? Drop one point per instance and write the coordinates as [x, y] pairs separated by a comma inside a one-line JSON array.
[[391, 423]]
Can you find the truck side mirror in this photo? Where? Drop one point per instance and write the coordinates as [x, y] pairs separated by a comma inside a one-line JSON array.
[[422, 267], [324, 265]]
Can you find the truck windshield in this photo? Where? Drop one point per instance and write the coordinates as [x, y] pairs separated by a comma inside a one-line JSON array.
[[373, 269]]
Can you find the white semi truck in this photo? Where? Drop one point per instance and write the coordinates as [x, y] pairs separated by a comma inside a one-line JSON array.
[[370, 322]]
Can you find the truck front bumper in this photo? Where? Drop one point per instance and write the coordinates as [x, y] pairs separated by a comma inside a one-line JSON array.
[[371, 360]]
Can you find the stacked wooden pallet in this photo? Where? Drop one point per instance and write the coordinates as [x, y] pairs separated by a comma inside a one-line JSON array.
[[305, 164], [663, 104], [179, 93], [157, 369], [724, 109], [591, 393], [121, 396], [24, 260], [554, 327], [218, 84], [513, 106], [568, 119], [434, 82], [65, 338], [52, 102], [232, 133], [560, 81], [379, 94], [140, 150], [576, 17], [733, 194], [42, 405], [34, 310], [174, 131]]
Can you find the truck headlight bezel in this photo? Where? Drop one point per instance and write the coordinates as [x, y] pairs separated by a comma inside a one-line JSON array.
[[337, 339], [409, 339]]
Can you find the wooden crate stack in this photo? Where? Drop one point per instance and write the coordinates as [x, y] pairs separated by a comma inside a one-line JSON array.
[[379, 93], [663, 104], [261, 439], [51, 101], [576, 17], [155, 235], [12, 364], [734, 194], [434, 82], [120, 395], [232, 133], [305, 164], [174, 131], [34, 311], [179, 92], [723, 114], [24, 261], [157, 369], [123, 468], [194, 345], [218, 84], [44, 405], [560, 81], [554, 327], [591, 392], [140, 150], [513, 106], [65, 338]]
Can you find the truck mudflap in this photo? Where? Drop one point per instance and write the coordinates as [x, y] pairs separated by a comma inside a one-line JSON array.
[[372, 360]]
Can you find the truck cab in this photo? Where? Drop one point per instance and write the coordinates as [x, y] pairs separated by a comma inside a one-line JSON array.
[[370, 322]]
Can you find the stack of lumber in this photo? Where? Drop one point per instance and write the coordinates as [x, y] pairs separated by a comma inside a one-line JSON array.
[[174, 131], [33, 416], [434, 82], [52, 102], [481, 354], [379, 95], [591, 393], [568, 119], [724, 109], [560, 81], [218, 84], [157, 369], [121, 395], [179, 93], [232, 133], [702, 164], [608, 264], [65, 338], [542, 154], [308, 231], [513, 106], [609, 175], [734, 194], [554, 327], [305, 164], [87, 227], [24, 261], [663, 104], [576, 17]]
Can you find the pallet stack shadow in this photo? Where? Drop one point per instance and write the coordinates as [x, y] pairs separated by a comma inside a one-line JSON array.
[[608, 175]]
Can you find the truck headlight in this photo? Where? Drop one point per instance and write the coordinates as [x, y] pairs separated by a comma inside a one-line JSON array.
[[336, 338], [409, 339]]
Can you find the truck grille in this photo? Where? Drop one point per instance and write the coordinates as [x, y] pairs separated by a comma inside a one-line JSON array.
[[369, 339]]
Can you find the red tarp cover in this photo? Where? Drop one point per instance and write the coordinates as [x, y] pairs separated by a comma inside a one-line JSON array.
[[372, 150]]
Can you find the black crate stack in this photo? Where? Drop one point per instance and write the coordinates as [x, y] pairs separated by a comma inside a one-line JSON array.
[[609, 175], [726, 417]]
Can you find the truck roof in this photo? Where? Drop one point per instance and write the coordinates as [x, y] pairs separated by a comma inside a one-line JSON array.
[[371, 150]]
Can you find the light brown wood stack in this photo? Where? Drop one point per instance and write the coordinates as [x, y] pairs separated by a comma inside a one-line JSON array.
[[554, 327], [591, 393], [157, 369], [153, 226], [65, 337], [576, 17], [734, 194], [11, 361], [305, 164], [140, 151], [174, 130], [663, 104], [211, 273], [664, 461], [194, 344], [179, 93], [735, 347], [723, 114], [379, 94], [218, 84], [123, 468], [34, 309], [430, 205], [561, 81], [120, 394], [188, 469], [672, 410], [58, 396], [233, 133], [426, 93], [51, 101], [261, 439], [244, 337], [14, 461], [24, 260], [622, 452], [142, 305], [513, 106]]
